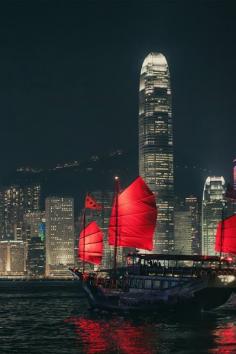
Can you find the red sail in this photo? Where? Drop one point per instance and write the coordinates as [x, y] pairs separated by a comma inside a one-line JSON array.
[[136, 217], [226, 235], [91, 244]]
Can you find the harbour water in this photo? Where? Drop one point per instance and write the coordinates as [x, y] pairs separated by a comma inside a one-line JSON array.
[[56, 319]]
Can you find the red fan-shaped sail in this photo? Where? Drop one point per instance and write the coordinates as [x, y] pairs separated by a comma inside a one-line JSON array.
[[226, 235], [91, 244], [136, 217]]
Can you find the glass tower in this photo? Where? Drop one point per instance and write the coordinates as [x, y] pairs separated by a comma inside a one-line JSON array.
[[156, 145], [213, 210], [59, 236]]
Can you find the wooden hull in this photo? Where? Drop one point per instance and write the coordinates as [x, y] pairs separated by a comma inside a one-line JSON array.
[[204, 298]]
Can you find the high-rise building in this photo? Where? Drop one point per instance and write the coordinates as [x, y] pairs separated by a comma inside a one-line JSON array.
[[213, 209], [187, 226], [183, 234], [34, 224], [192, 205], [12, 258], [36, 257], [15, 202], [59, 236], [156, 144]]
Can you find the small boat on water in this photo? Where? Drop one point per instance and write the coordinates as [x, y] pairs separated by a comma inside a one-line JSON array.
[[149, 282]]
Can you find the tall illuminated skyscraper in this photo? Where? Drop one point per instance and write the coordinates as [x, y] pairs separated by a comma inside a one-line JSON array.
[[213, 206], [59, 236], [156, 144]]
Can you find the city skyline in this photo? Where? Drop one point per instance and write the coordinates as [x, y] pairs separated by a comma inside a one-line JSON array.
[[50, 76]]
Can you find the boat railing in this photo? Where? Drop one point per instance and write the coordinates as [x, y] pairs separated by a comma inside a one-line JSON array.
[[179, 271]]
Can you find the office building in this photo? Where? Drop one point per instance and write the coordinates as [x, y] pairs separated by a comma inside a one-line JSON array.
[[156, 144], [213, 210], [15, 201], [36, 257], [59, 236], [12, 258], [192, 205]]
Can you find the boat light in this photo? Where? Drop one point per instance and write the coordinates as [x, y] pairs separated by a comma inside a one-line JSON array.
[[226, 279]]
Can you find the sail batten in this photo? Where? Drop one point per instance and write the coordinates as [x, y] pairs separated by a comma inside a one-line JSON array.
[[133, 220], [90, 246], [226, 235]]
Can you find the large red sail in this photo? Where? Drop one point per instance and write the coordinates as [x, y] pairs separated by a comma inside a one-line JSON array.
[[91, 244], [226, 235], [135, 216]]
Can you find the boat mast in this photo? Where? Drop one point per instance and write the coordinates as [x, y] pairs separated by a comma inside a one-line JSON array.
[[221, 233], [117, 190], [84, 223]]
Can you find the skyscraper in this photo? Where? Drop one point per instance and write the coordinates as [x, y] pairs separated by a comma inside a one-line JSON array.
[[183, 240], [15, 201], [12, 258], [156, 144], [59, 236], [36, 257], [213, 205], [187, 226]]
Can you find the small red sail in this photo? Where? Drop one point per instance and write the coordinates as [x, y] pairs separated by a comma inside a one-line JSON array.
[[226, 235], [136, 217], [91, 244]]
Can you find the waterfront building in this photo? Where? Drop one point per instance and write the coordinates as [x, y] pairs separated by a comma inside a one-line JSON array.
[[183, 234], [187, 226], [12, 258], [192, 205], [156, 144], [34, 224], [36, 257], [213, 210], [15, 202], [59, 236]]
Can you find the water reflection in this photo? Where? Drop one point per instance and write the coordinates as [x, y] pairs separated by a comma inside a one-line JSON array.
[[115, 335], [225, 338]]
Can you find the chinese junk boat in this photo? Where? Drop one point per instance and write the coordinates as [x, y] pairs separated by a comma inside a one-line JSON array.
[[150, 281]]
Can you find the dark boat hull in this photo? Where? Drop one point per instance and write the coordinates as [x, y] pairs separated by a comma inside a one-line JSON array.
[[202, 300]]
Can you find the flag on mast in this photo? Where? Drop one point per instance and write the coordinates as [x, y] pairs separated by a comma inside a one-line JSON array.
[[91, 203]]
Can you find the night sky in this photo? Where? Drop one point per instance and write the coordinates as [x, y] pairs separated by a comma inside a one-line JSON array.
[[69, 76]]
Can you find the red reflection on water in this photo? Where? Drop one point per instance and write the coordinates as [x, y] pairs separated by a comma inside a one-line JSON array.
[[225, 339], [100, 336]]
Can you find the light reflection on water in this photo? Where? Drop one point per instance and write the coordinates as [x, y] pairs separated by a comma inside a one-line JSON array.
[[115, 335], [59, 321]]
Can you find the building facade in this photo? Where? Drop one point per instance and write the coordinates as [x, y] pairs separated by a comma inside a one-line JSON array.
[[36, 257], [12, 258], [59, 236], [213, 210], [192, 204], [187, 226], [156, 144], [15, 202], [183, 234]]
